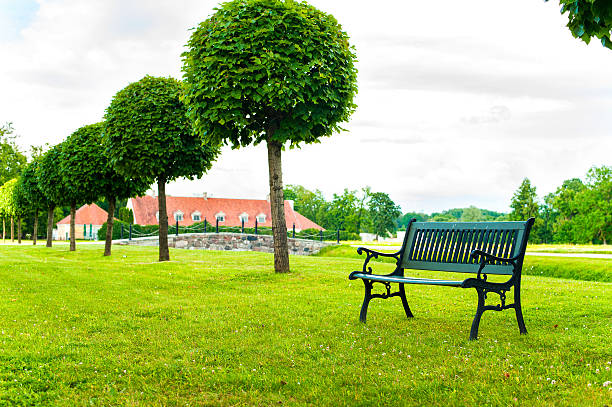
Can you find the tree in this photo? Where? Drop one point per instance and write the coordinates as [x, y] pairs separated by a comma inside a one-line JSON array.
[[563, 210], [343, 212], [524, 206], [31, 195], [594, 203], [8, 204], [472, 214], [308, 203], [269, 71], [588, 19], [50, 183], [151, 139], [383, 213], [12, 160], [87, 171]]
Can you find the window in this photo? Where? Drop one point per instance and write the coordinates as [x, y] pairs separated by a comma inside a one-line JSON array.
[[178, 216], [220, 217], [261, 218], [196, 216], [244, 217]]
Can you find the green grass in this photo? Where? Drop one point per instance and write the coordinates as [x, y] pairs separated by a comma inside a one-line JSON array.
[[220, 328], [576, 268], [570, 248]]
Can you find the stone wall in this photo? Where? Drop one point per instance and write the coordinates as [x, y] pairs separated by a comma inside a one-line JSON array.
[[229, 241]]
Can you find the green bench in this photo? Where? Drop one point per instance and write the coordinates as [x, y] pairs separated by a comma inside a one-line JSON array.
[[481, 248]]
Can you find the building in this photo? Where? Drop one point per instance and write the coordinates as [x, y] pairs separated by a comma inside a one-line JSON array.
[[88, 220], [229, 212]]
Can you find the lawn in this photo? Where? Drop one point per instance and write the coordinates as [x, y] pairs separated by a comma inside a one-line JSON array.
[[220, 328]]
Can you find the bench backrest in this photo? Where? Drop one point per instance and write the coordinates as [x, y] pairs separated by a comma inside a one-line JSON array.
[[446, 246]]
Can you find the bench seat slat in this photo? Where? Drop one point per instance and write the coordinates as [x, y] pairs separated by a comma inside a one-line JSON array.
[[407, 280]]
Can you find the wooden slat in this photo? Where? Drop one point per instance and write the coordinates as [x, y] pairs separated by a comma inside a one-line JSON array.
[[465, 240], [457, 244], [414, 244], [438, 246], [509, 241]]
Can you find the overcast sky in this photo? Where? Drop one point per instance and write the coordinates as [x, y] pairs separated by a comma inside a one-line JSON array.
[[457, 102]]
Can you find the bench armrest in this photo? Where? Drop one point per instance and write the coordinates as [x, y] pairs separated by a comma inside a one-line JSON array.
[[488, 257], [370, 254]]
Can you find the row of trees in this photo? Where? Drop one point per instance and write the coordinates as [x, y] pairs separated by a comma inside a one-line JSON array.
[[352, 210], [282, 73], [579, 211]]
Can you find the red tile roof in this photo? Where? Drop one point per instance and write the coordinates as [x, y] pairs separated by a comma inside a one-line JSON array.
[[88, 214], [145, 209]]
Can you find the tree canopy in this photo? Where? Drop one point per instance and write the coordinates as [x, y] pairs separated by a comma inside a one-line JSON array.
[[12, 160], [588, 19], [149, 135], [383, 213], [150, 139], [274, 71], [8, 199], [261, 65]]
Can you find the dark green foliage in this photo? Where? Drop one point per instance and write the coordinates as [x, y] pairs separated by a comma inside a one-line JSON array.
[[34, 200], [578, 212], [87, 172], [308, 203], [594, 207], [149, 136], [49, 177], [588, 19], [269, 68], [524, 205], [12, 160], [383, 212], [125, 214]]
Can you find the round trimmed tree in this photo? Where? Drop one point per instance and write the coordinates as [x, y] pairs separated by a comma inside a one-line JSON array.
[[50, 183], [88, 174], [273, 71], [151, 139], [30, 192], [8, 203]]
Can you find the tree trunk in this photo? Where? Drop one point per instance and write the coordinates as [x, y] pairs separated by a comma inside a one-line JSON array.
[[277, 206], [109, 224], [50, 226], [12, 229], [164, 252], [72, 226], [35, 234], [19, 230]]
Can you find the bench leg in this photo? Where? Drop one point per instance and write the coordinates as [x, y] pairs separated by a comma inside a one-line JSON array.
[[366, 301], [405, 301], [518, 309], [479, 312]]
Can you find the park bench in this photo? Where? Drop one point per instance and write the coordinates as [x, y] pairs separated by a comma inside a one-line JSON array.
[[481, 248]]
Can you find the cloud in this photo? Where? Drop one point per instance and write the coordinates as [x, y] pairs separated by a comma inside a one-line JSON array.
[[495, 114]]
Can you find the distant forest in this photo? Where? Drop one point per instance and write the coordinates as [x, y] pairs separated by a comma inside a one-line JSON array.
[[470, 214]]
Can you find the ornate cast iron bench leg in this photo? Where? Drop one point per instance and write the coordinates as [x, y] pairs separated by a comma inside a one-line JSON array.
[[518, 310], [479, 311], [366, 300], [402, 293]]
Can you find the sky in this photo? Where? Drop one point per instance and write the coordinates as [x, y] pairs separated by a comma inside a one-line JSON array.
[[457, 101]]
